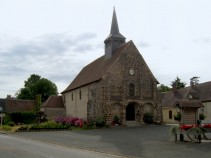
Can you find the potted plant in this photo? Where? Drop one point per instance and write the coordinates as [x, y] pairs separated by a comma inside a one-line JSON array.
[[116, 120], [201, 116], [178, 117], [174, 131]]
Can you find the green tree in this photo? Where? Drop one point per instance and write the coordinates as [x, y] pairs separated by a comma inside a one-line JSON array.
[[178, 83], [35, 85], [163, 88]]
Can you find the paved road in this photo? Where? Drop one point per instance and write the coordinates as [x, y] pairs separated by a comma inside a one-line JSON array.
[[13, 147], [144, 141]]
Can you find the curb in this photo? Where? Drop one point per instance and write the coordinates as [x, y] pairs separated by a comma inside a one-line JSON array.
[[2, 132]]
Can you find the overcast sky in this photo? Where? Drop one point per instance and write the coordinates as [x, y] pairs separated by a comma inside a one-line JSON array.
[[57, 38]]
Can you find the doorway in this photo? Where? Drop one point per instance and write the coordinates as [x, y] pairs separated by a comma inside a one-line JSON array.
[[130, 112]]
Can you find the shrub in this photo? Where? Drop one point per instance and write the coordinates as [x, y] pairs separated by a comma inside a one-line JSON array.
[[49, 125], [23, 117], [72, 121], [178, 117], [60, 120], [201, 116], [148, 118], [23, 128], [6, 128], [6, 119], [174, 131], [116, 120], [11, 123], [100, 122]]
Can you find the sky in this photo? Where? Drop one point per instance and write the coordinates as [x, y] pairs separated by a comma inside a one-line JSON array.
[[57, 38]]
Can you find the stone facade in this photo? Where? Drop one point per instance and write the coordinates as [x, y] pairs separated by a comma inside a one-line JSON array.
[[119, 91], [117, 84]]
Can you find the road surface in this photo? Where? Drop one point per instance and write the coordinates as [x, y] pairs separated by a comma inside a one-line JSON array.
[[16, 147]]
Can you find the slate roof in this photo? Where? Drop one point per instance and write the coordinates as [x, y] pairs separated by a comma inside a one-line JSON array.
[[19, 105], [94, 71], [189, 103], [54, 102], [114, 28], [201, 92]]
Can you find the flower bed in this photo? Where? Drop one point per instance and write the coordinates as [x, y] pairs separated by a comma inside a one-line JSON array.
[[71, 121], [46, 126]]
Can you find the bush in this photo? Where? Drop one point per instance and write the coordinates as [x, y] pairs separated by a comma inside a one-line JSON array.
[[100, 122], [72, 121], [23, 128], [178, 117], [201, 116], [11, 123], [49, 125], [148, 118], [174, 131], [23, 117], [116, 120], [6, 128], [6, 119]]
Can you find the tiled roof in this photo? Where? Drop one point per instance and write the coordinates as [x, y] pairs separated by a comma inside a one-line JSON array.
[[189, 103], [95, 70], [54, 102], [19, 105], [201, 92]]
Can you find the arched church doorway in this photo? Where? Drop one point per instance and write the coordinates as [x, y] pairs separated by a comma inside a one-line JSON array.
[[130, 112]]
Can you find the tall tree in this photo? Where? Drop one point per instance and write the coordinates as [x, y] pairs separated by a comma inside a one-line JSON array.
[[178, 83], [35, 85], [163, 88]]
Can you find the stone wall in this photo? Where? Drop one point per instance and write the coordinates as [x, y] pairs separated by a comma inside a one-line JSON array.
[[129, 81], [116, 85], [94, 104]]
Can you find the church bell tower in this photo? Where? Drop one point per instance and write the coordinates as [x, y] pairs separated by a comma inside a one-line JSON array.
[[115, 39]]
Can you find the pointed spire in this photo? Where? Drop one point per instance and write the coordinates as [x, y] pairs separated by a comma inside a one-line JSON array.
[[115, 38], [114, 24], [114, 27]]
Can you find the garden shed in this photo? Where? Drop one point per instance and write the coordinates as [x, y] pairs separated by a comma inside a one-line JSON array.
[[188, 110]]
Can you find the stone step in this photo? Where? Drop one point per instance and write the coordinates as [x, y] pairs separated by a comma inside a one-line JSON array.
[[132, 124]]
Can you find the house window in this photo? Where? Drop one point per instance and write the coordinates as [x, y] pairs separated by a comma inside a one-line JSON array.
[[170, 114], [80, 94], [1, 108], [131, 90], [72, 96]]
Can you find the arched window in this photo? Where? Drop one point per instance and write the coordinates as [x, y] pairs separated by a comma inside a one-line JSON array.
[[131, 90]]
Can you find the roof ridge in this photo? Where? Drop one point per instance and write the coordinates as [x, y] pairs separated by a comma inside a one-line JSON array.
[[45, 103], [99, 67]]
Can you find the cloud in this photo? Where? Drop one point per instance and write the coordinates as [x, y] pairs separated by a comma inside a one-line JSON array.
[[86, 36], [57, 57], [203, 40], [143, 44], [83, 48]]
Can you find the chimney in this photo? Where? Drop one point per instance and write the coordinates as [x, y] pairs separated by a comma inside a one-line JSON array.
[[193, 81], [9, 96]]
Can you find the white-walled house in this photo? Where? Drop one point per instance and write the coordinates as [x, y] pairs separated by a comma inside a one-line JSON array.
[[196, 92]]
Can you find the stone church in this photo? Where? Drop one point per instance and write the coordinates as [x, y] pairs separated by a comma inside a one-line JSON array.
[[119, 83]]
